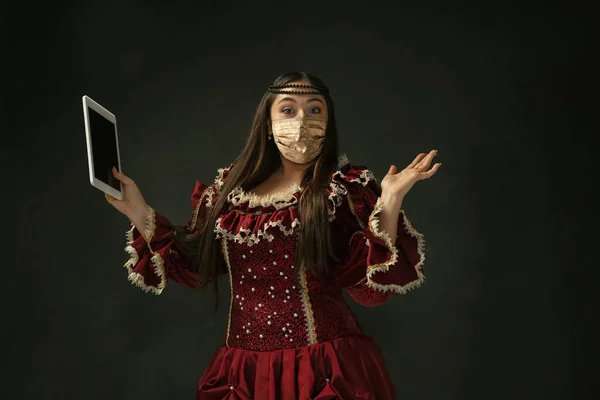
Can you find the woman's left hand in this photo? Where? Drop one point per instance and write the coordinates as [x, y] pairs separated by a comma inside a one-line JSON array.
[[395, 185]]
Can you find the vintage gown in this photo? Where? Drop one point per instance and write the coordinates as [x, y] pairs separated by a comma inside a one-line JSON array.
[[288, 335]]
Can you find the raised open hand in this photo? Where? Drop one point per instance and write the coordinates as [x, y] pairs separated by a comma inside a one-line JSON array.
[[396, 185]]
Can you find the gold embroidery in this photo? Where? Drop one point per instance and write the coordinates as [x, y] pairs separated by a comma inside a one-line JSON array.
[[308, 312], [244, 235], [226, 257], [197, 210]]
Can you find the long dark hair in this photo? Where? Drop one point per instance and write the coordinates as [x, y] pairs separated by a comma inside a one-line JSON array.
[[257, 161]]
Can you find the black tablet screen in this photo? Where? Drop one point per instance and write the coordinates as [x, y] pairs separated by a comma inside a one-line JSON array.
[[104, 148]]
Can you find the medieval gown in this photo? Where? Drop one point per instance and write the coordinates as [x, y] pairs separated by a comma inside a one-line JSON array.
[[289, 335]]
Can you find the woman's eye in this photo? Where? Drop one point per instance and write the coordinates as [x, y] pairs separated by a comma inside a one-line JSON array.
[[287, 110], [315, 110]]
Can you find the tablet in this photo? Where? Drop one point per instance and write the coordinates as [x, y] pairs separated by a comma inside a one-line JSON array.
[[102, 147]]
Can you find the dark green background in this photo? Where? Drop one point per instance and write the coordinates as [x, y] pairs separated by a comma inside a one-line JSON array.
[[500, 89]]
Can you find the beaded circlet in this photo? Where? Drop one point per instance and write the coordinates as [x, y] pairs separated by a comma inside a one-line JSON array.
[[322, 90]]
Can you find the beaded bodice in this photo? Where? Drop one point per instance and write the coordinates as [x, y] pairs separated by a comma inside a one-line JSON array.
[[275, 303]]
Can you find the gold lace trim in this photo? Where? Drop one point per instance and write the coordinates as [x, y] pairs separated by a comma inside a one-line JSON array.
[[364, 178], [279, 200], [226, 257], [338, 190], [244, 235], [308, 311], [156, 260], [384, 267]]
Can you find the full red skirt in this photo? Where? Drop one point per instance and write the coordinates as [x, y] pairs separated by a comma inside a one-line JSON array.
[[345, 368]]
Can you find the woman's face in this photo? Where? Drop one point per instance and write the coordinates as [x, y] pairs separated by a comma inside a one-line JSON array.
[[293, 105]]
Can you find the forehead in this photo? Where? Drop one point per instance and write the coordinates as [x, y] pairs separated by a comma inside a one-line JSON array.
[[299, 98]]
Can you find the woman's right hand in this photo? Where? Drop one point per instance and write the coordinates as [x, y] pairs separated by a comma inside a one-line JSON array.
[[133, 204]]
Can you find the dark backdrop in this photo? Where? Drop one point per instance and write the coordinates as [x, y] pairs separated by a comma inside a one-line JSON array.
[[499, 89]]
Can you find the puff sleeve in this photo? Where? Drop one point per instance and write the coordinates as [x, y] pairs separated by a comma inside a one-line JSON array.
[[157, 260], [371, 268]]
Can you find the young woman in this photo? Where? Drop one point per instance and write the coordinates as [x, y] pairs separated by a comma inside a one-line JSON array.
[[292, 224]]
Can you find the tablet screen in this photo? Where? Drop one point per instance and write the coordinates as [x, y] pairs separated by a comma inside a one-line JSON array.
[[104, 145]]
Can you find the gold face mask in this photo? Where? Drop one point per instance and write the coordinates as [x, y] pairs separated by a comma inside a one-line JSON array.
[[299, 139]]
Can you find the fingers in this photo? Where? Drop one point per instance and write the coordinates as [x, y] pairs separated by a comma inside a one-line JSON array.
[[416, 160], [393, 170], [431, 172], [426, 161], [109, 198], [122, 177]]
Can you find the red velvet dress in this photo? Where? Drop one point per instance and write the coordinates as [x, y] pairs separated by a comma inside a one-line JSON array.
[[290, 336]]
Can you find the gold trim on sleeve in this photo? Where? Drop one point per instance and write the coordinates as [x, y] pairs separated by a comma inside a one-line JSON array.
[[384, 267]]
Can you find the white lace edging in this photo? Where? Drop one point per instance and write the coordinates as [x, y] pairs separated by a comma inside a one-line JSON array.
[[156, 260], [279, 200], [342, 160], [215, 188], [219, 178], [373, 269], [335, 197], [338, 190], [244, 235], [364, 178]]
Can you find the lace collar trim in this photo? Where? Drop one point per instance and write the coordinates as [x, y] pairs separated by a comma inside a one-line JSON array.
[[279, 200]]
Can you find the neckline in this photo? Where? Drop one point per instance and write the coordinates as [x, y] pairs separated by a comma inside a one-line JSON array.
[[281, 199]]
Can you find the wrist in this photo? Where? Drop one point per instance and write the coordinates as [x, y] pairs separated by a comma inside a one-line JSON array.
[[391, 202]]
